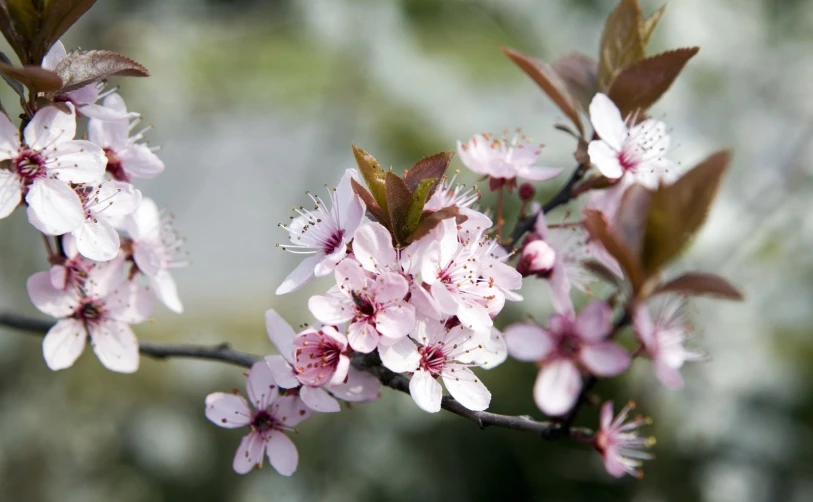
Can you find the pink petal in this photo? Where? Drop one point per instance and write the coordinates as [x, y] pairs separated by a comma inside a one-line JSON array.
[[527, 341], [54, 208], [424, 303], [77, 161], [390, 287], [49, 127], [444, 298], [261, 386], [643, 325], [494, 352], [144, 224], [466, 388], [115, 345], [372, 245], [111, 134], [317, 399], [280, 333], [400, 357], [332, 309], [605, 159], [290, 410], [340, 375], [613, 464], [606, 417], [117, 199], [10, 191], [283, 373], [538, 173], [594, 322], [474, 317], [282, 453], [49, 300], [425, 391], [249, 453], [395, 321], [328, 264], [362, 337], [607, 121], [605, 359], [560, 286], [139, 161], [55, 54], [130, 303], [557, 387], [63, 344], [359, 387], [227, 410], [300, 275], [104, 277], [350, 276], [165, 289], [97, 240], [668, 375]]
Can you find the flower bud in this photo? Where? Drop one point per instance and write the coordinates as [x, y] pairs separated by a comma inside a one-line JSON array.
[[526, 191], [537, 258]]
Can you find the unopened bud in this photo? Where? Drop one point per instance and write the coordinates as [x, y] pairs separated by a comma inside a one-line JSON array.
[[526, 191], [537, 258]]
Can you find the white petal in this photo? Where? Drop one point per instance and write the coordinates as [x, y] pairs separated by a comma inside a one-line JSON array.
[[130, 303], [362, 337], [139, 161], [425, 391], [145, 222], [49, 127], [115, 198], [280, 333], [48, 299], [149, 256], [99, 112], [300, 275], [282, 453], [283, 373], [494, 352], [11, 192], [227, 410], [319, 400], [605, 159], [104, 277], [115, 345], [395, 321], [557, 387], [261, 386], [605, 359], [290, 410], [53, 207], [607, 121], [331, 309], [466, 388], [372, 245], [359, 387], [401, 356], [249, 453], [77, 161], [445, 300], [63, 344], [55, 54], [165, 289], [9, 138], [475, 317], [97, 240], [527, 341], [538, 173]]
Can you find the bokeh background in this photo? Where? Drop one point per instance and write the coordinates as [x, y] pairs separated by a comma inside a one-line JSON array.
[[255, 102]]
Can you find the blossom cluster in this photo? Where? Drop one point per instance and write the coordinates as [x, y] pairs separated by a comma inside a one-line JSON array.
[[113, 250]]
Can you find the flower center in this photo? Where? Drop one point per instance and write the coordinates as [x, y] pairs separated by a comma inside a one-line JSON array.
[[114, 166], [30, 165], [334, 241], [432, 358], [91, 312], [569, 346], [262, 421], [364, 305]]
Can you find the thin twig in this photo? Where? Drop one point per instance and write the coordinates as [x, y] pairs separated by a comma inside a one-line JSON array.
[[365, 362]]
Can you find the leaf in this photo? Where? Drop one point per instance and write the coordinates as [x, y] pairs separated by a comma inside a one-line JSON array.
[[621, 43], [648, 25], [697, 284], [546, 77], [18, 23], [34, 77], [399, 200], [373, 175], [372, 206], [419, 197], [12, 82], [433, 166], [630, 263], [678, 210], [602, 272], [630, 220], [639, 86], [433, 220], [580, 74], [81, 68], [57, 18]]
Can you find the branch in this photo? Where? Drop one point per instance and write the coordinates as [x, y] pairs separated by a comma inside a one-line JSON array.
[[365, 362]]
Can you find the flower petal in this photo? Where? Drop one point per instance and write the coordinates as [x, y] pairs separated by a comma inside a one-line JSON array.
[[130, 303], [249, 453], [395, 321], [331, 309], [300, 275], [290, 410], [53, 207], [96, 239], [557, 387], [144, 224], [163, 284], [362, 337], [63, 344], [78, 161], [283, 373], [401, 356], [261, 386], [538, 173], [49, 127], [359, 386], [282, 453], [607, 121], [227, 410], [372, 245], [115, 345], [425, 391], [139, 161], [528, 341], [605, 359], [110, 134], [317, 399], [605, 159], [281, 334], [594, 322], [55, 54], [390, 287], [48, 299], [466, 388], [11, 192]]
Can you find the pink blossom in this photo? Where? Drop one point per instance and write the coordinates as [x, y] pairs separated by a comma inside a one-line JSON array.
[[43, 168], [664, 337], [451, 194], [102, 309], [319, 356], [373, 305], [269, 416], [323, 233], [619, 444], [433, 351], [155, 247], [126, 157], [503, 160], [566, 349], [636, 153], [96, 237], [73, 271]]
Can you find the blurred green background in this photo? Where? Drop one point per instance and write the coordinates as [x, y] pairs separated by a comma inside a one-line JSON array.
[[255, 102]]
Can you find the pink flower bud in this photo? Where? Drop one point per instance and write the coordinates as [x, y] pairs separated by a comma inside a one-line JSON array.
[[526, 191], [537, 258]]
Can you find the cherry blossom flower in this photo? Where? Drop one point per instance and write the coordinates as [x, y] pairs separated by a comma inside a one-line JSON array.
[[102, 309], [664, 337], [73, 270], [155, 246], [374, 306], [438, 351], [319, 356], [566, 349], [450, 194], [323, 233], [619, 444], [503, 160], [635, 153], [270, 415], [126, 157], [96, 237], [42, 169]]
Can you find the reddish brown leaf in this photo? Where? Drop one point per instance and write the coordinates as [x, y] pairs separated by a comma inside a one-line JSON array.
[[81, 68], [678, 210], [546, 77], [640, 85], [630, 263], [33, 77], [399, 199], [372, 206], [433, 166], [700, 284], [57, 17], [621, 43], [649, 24], [580, 74], [630, 222], [433, 220]]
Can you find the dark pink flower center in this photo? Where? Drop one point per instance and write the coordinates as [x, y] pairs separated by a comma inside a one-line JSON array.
[[91, 312], [263, 421], [324, 355], [114, 166], [334, 241], [432, 359], [569, 345], [30, 165], [628, 160], [363, 305]]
